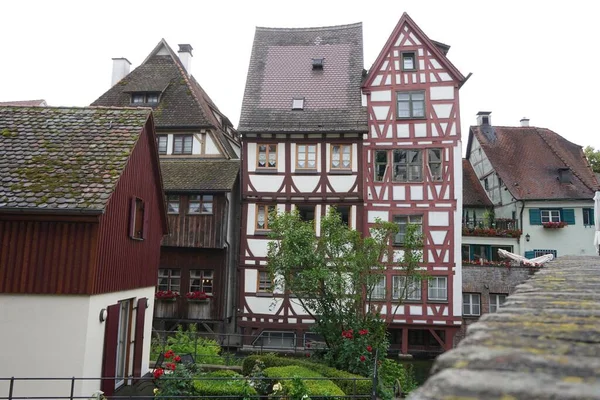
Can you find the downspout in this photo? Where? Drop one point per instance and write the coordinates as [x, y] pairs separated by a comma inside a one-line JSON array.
[[521, 222]]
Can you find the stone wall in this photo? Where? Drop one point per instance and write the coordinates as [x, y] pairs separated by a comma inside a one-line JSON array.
[[485, 280], [544, 343]]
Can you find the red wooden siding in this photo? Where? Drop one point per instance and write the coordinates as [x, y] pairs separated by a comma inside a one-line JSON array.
[[125, 263], [198, 230], [48, 256]]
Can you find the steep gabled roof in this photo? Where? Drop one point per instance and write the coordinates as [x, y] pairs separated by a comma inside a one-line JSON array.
[[528, 159], [65, 159], [436, 48], [195, 174], [281, 69], [183, 102], [473, 193]]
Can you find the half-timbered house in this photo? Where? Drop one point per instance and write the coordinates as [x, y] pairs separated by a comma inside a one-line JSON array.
[[302, 124], [412, 174], [81, 220], [199, 155]]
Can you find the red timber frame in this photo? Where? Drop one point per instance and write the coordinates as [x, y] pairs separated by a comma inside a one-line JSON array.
[[287, 194], [439, 128]]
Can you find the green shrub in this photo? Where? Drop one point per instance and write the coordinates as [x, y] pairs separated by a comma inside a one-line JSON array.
[[346, 380], [205, 351], [223, 389], [391, 371], [315, 388]]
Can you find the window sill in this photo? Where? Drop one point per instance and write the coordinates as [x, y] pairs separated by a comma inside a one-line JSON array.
[[195, 214], [266, 171], [410, 118], [409, 70], [437, 301], [136, 239], [471, 316], [306, 172], [264, 294], [262, 232], [340, 172]]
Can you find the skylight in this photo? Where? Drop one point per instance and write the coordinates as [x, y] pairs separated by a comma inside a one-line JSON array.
[[298, 103]]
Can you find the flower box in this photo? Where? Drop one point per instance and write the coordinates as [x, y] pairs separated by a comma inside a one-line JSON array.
[[199, 309], [166, 295], [165, 308], [554, 225], [197, 296]]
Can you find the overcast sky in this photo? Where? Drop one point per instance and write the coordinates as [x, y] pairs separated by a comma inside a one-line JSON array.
[[535, 59]]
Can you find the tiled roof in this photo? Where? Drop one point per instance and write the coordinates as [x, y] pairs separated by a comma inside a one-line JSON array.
[[473, 194], [198, 174], [64, 158], [528, 159], [281, 70], [24, 103], [183, 102]]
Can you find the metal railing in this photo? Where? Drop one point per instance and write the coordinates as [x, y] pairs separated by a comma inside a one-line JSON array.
[[499, 223]]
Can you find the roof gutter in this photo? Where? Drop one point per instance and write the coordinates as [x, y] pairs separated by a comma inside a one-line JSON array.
[[49, 211]]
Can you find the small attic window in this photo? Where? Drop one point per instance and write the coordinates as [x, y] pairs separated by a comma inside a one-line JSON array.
[[145, 98], [485, 120], [409, 62], [317, 63], [564, 175], [298, 103]]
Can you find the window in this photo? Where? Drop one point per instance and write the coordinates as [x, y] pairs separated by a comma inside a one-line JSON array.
[[550, 216], [402, 221], [123, 342], [344, 214], [495, 256], [411, 104], [381, 162], [173, 204], [263, 216], [486, 184], [200, 204], [267, 156], [409, 62], [471, 304], [136, 227], [298, 104], [162, 144], [588, 216], [169, 279], [182, 144], [410, 290], [341, 156], [307, 213], [276, 339], [466, 252], [408, 166], [379, 290], [264, 282], [306, 156], [145, 98], [496, 300], [317, 63], [437, 288], [543, 252], [201, 281], [434, 158]]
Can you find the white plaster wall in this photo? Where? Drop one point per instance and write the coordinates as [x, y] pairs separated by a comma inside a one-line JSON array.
[[251, 219], [441, 93], [43, 336], [342, 183], [258, 247], [169, 144], [306, 183], [458, 189], [210, 146], [494, 241], [251, 157], [281, 157], [570, 240], [250, 280], [92, 365], [266, 183], [263, 305]]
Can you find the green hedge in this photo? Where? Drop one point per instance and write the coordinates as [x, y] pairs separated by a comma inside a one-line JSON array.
[[315, 388], [236, 388], [346, 380]]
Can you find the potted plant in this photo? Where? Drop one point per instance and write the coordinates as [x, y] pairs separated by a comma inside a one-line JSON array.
[[198, 305], [554, 225], [197, 296]]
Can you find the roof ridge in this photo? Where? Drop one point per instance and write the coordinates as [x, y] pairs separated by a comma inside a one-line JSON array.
[[561, 158], [314, 28], [79, 107]]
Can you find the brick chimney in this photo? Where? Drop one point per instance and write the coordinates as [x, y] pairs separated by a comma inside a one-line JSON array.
[[185, 55], [120, 70], [524, 122]]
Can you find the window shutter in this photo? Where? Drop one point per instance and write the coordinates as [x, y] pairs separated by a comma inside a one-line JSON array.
[[535, 216], [145, 225], [568, 215], [591, 211], [132, 217], [530, 254], [138, 344], [109, 359]]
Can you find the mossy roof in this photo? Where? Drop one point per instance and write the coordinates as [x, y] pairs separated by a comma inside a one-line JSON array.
[[64, 158], [203, 175]]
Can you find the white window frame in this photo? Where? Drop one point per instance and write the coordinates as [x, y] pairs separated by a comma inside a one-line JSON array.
[[413, 169], [173, 204], [379, 292], [496, 300], [162, 142], [550, 215], [122, 342], [435, 288], [471, 304], [264, 283], [202, 203], [173, 279], [402, 221], [413, 288], [207, 280]]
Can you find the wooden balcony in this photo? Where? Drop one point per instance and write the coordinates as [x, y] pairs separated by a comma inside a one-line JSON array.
[[499, 227]]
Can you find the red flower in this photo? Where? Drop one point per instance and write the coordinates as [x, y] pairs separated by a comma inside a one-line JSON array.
[[347, 334], [171, 366], [369, 349], [362, 358], [158, 373], [307, 354], [363, 332], [169, 354], [308, 345], [177, 359]]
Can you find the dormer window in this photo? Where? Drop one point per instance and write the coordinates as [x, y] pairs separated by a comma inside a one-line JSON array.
[[409, 62], [298, 103], [317, 63], [145, 98], [564, 175]]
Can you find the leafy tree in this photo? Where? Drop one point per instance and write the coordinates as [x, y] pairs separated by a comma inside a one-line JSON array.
[[593, 157], [333, 277]]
